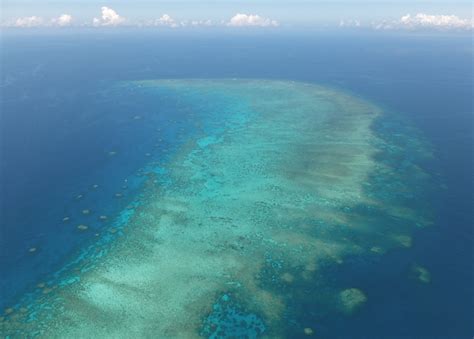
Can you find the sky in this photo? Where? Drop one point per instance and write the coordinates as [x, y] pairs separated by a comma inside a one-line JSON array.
[[386, 14]]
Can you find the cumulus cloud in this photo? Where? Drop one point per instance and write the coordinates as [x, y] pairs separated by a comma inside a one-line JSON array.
[[29, 21], [166, 20], [426, 21], [62, 21], [243, 20], [109, 17]]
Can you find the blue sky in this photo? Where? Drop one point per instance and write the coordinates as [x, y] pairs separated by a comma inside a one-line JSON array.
[[285, 12]]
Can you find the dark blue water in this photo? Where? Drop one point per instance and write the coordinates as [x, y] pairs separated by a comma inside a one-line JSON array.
[[59, 125]]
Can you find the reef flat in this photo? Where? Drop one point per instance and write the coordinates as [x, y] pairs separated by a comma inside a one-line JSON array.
[[279, 182]]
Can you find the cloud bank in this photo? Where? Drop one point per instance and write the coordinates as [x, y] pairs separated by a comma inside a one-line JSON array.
[[246, 20], [434, 21], [426, 21], [349, 23], [109, 17], [29, 21], [409, 22], [200, 23], [168, 21], [35, 21]]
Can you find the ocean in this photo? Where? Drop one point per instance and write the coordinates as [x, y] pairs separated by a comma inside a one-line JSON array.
[[96, 126]]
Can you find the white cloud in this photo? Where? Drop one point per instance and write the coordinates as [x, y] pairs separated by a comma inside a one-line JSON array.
[[243, 20], [439, 21], [197, 23], [426, 21], [349, 23], [62, 21], [166, 20], [109, 18], [29, 21]]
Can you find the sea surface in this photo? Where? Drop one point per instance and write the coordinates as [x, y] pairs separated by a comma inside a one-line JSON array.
[[282, 184]]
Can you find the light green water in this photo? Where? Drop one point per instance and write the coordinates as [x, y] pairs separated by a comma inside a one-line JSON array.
[[282, 188]]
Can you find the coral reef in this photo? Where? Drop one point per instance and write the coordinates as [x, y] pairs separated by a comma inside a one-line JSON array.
[[280, 182], [352, 299], [422, 274]]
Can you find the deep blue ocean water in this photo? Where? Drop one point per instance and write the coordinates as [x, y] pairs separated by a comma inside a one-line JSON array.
[[58, 127]]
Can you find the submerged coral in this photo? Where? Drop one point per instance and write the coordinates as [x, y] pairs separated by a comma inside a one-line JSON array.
[[422, 274], [82, 227], [255, 208], [229, 320], [352, 299]]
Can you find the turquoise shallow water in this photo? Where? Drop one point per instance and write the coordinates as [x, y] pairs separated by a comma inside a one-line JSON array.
[[271, 187]]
